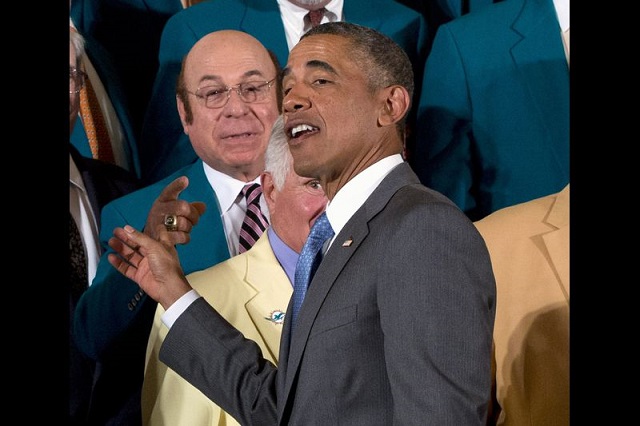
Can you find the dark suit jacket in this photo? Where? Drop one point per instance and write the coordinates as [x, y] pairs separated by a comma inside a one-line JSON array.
[[113, 317], [119, 299], [104, 182], [396, 327], [129, 31], [164, 147], [493, 124]]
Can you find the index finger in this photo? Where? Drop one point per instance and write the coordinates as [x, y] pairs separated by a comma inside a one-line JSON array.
[[173, 189]]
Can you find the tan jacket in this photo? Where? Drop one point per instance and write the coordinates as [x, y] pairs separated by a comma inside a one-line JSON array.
[[529, 247], [250, 290]]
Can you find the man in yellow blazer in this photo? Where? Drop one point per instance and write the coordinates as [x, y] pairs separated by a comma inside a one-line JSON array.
[[251, 290], [529, 248]]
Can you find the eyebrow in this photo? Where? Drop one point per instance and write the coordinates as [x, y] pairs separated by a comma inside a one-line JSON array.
[[316, 64]]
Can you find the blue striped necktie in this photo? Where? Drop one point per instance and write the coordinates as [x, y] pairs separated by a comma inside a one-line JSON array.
[[308, 262]]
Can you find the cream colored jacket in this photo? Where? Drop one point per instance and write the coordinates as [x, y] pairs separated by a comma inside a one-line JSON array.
[[529, 248]]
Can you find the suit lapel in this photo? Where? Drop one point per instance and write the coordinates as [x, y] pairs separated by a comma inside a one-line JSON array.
[[557, 242], [262, 20], [268, 297], [366, 13], [355, 230], [208, 245], [90, 184], [539, 57]]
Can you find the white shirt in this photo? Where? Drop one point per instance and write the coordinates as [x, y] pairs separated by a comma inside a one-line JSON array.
[[355, 192], [345, 203], [82, 213], [562, 11], [232, 204], [293, 18]]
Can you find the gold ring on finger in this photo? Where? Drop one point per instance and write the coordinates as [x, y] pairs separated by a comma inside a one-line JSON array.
[[171, 222]]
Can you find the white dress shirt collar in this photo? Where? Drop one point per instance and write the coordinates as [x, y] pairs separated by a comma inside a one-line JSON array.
[[355, 192], [232, 204], [225, 187], [562, 11], [293, 18]]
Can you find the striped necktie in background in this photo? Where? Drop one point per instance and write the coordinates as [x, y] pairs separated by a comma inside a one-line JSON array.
[[78, 261], [315, 16], [254, 222]]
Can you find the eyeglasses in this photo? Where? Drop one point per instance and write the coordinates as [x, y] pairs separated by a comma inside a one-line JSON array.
[[218, 96], [76, 80]]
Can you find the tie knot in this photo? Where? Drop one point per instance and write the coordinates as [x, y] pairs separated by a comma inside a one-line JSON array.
[[315, 16], [321, 231], [252, 192], [308, 261]]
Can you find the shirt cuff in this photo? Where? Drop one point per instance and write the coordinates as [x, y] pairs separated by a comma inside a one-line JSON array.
[[171, 315]]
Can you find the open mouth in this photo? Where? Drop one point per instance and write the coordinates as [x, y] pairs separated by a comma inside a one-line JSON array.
[[302, 129]]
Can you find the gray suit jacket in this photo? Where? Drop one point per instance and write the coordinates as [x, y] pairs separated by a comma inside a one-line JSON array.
[[396, 327]]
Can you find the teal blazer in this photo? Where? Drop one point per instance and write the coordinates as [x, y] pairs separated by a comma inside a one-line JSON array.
[[114, 313], [493, 124], [163, 146], [113, 86]]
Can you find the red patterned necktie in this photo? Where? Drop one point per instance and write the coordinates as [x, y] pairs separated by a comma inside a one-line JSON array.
[[315, 16], [94, 124], [254, 222]]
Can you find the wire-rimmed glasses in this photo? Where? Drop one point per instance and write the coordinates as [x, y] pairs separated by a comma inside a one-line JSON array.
[[217, 96]]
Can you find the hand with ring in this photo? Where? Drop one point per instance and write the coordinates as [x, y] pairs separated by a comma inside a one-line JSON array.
[[171, 222], [153, 264], [172, 214]]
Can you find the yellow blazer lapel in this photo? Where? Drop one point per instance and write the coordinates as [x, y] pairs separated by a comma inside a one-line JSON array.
[[270, 291], [557, 242]]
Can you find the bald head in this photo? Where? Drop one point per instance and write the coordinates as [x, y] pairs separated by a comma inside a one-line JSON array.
[[217, 54], [231, 135], [224, 46]]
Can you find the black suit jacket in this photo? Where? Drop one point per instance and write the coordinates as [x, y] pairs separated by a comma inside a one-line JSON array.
[[96, 392]]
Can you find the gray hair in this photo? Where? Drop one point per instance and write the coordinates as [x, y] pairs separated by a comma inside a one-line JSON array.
[[277, 158]]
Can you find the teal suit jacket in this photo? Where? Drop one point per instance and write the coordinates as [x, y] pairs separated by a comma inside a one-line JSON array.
[[106, 70], [114, 313], [493, 124], [129, 31], [163, 145]]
